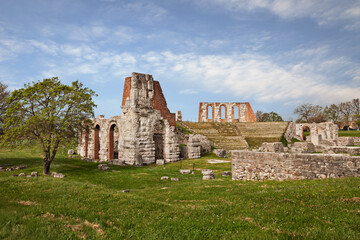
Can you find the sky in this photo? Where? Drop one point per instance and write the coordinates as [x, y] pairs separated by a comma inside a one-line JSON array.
[[275, 54]]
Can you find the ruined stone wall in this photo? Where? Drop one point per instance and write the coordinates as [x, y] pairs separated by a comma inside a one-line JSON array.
[[279, 166], [242, 110], [143, 133]]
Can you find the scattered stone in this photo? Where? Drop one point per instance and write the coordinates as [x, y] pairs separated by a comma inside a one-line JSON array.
[[104, 167], [14, 175], [164, 188], [164, 178], [185, 171], [226, 173], [34, 174], [303, 147], [126, 190], [207, 174], [20, 167], [220, 153], [57, 175], [22, 174], [9, 169], [175, 179], [160, 162]]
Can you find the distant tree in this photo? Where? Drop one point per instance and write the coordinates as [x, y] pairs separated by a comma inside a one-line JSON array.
[[309, 113], [3, 95], [332, 113], [355, 104], [268, 117], [49, 112], [346, 112]]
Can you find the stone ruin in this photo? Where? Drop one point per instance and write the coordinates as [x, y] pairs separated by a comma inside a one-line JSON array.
[[143, 133], [298, 161], [233, 112]]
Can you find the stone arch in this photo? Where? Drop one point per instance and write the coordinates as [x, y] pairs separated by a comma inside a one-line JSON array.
[[210, 113], [113, 142], [305, 128], [96, 141], [223, 112], [159, 137]]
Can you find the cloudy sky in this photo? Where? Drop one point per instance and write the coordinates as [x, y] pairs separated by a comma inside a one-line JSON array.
[[275, 54]]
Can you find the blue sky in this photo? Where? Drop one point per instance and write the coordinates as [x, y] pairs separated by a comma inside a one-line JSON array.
[[275, 54]]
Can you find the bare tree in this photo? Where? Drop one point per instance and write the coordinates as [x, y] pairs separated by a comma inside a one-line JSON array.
[[346, 111], [355, 104], [309, 113], [332, 113]]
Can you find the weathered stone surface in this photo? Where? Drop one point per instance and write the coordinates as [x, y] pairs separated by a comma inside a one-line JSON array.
[[345, 141], [193, 146], [34, 174], [178, 116], [303, 147], [280, 166], [160, 162], [175, 179], [220, 153], [22, 174], [103, 167], [272, 147], [226, 173], [125, 191], [185, 171], [164, 178]]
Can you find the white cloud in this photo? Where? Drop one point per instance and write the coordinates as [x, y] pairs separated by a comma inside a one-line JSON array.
[[324, 12], [188, 91]]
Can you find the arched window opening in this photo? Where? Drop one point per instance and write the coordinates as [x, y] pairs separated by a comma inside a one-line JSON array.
[[113, 142], [159, 139], [210, 112], [236, 112], [96, 142], [306, 132], [223, 112]]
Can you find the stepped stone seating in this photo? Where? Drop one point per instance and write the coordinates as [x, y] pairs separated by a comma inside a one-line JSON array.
[[234, 136]]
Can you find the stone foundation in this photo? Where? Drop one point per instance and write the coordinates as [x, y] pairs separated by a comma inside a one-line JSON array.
[[280, 166]]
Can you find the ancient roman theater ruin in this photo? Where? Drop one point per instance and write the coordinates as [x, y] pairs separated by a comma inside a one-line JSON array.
[[147, 132]]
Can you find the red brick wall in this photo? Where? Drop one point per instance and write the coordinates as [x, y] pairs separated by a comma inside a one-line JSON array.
[[127, 88], [249, 114], [159, 103]]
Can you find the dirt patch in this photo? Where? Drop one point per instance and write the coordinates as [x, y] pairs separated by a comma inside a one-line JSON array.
[[354, 199], [94, 226], [28, 203]]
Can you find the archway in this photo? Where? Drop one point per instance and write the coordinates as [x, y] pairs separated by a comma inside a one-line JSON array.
[[86, 143], [236, 113], [306, 132], [209, 112], [158, 138], [222, 112], [113, 142], [96, 142]]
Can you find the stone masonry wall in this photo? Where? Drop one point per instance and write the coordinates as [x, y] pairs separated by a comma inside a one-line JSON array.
[[245, 112], [279, 166]]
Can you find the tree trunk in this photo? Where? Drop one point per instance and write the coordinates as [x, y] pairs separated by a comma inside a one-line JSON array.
[[46, 170]]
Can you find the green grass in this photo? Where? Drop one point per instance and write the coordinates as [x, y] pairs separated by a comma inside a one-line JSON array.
[[351, 133], [258, 141], [90, 203]]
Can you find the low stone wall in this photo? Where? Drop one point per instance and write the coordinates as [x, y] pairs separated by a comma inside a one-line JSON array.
[[279, 166]]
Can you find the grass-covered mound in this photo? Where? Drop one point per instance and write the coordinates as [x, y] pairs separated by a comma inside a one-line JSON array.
[[89, 203]]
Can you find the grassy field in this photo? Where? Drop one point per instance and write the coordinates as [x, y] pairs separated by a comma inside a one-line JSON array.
[[90, 204], [352, 133]]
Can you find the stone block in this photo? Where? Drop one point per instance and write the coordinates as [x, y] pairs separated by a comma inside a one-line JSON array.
[[185, 171], [22, 175], [175, 179], [220, 153], [226, 173], [34, 174], [272, 147], [103, 167], [164, 178], [57, 175], [160, 162]]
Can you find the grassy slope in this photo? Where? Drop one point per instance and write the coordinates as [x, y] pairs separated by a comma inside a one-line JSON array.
[[349, 133], [89, 203]]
